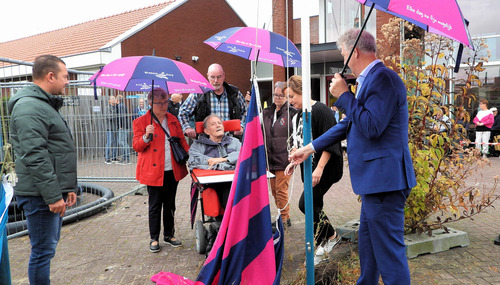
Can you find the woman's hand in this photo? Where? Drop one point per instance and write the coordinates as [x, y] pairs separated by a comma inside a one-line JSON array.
[[289, 169], [212, 162], [316, 175], [150, 129]]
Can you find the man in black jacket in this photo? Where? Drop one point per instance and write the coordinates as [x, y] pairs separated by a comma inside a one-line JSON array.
[[226, 101]]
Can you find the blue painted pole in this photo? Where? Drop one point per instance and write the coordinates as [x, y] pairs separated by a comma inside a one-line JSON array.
[[4, 254], [4, 262], [308, 200]]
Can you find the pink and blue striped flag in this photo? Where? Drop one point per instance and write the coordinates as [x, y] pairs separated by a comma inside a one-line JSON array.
[[243, 252]]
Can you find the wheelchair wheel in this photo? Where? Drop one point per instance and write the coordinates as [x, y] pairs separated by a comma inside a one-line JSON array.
[[200, 237]]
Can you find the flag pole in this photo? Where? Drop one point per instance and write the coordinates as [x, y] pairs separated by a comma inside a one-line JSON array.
[[306, 119]]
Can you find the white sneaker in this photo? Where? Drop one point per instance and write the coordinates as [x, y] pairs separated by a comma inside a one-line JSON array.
[[320, 255], [331, 243]]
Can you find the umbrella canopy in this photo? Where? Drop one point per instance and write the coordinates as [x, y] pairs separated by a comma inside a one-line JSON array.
[[257, 44], [137, 73], [442, 17]]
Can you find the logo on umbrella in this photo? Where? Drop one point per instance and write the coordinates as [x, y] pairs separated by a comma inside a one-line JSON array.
[[162, 75], [234, 49], [285, 52], [249, 44], [220, 38], [144, 86]]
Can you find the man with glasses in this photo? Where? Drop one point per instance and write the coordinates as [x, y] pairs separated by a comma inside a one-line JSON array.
[[226, 101]]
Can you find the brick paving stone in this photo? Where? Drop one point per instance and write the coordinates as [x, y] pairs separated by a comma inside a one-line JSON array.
[[112, 247]]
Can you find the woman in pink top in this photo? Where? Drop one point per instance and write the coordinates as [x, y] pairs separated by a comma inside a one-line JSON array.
[[483, 121]]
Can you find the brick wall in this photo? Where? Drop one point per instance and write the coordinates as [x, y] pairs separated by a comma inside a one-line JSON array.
[[279, 27], [314, 28]]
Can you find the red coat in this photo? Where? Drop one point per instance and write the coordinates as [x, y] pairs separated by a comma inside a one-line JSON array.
[[151, 161]]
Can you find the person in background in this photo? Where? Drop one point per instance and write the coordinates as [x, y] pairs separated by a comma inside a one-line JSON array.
[[111, 132], [215, 150], [277, 129], [45, 156], [496, 124], [483, 121], [157, 168], [141, 109], [336, 113], [123, 122], [380, 163], [248, 96], [226, 101], [174, 104], [443, 123], [495, 133], [327, 165]]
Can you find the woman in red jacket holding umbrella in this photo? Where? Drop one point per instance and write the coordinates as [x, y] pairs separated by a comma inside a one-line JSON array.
[[156, 166]]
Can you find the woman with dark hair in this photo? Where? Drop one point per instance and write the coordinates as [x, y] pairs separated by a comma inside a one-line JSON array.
[[328, 162], [156, 166]]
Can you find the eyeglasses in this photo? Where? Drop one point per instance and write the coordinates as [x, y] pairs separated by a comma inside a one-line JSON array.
[[161, 103], [278, 95], [212, 77]]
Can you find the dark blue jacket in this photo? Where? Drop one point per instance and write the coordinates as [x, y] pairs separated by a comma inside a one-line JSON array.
[[376, 128]]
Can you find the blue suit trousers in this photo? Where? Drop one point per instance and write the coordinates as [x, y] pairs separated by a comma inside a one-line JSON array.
[[381, 242]]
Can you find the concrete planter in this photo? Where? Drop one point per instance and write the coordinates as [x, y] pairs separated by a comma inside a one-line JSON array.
[[415, 244]]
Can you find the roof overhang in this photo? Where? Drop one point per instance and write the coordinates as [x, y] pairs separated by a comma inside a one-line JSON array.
[[323, 53]]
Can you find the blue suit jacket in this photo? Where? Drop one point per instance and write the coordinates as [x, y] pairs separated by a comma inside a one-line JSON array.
[[376, 128]]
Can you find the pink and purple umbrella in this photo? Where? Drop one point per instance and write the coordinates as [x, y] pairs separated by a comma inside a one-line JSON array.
[[442, 17], [257, 44], [138, 73]]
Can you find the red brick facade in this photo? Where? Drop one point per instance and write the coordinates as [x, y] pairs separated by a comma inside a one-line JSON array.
[[182, 32], [279, 27]]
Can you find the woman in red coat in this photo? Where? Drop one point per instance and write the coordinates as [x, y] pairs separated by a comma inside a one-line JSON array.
[[157, 168]]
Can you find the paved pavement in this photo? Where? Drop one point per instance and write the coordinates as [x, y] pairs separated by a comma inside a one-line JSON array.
[[112, 247]]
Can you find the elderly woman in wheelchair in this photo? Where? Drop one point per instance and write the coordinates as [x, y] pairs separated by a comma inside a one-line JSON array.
[[216, 151], [213, 150]]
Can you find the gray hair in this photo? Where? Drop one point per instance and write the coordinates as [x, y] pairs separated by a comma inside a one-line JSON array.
[[280, 85], [205, 122], [365, 44]]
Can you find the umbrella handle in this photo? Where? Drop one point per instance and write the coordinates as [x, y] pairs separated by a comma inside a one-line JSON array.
[[357, 39], [150, 137], [152, 99]]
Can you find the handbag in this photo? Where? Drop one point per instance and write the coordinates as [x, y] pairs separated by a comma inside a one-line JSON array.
[[180, 155]]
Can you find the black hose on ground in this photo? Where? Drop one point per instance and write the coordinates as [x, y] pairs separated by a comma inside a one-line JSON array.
[[19, 228]]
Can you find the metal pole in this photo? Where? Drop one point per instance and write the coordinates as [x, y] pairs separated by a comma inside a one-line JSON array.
[[306, 119]]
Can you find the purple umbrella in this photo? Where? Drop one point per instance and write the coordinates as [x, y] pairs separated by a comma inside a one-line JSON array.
[[137, 73], [257, 44]]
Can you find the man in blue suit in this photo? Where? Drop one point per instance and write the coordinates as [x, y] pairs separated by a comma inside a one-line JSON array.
[[376, 128]]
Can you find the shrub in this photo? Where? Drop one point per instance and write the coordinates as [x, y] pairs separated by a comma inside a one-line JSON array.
[[439, 149]]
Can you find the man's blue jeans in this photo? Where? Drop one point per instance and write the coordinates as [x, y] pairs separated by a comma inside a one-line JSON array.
[[44, 229], [123, 143], [111, 143]]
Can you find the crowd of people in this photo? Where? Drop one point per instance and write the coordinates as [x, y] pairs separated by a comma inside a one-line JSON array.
[[374, 121]]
